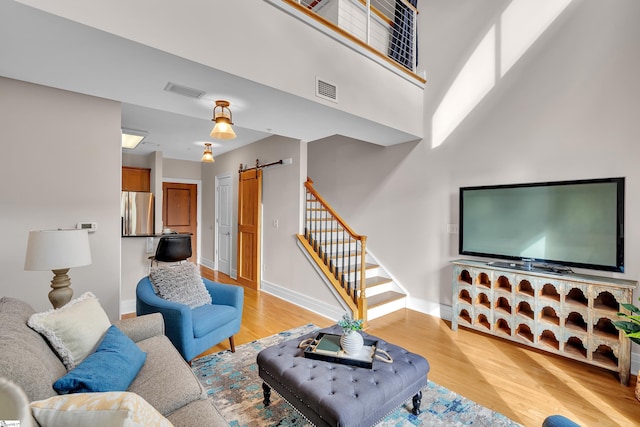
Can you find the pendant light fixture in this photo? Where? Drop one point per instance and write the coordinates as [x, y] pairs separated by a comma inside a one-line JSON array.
[[222, 117], [207, 156]]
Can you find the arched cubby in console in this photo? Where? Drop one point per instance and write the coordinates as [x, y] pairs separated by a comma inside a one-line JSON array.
[[571, 314]]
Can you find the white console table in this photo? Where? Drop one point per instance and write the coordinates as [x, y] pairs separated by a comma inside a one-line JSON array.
[[570, 314]]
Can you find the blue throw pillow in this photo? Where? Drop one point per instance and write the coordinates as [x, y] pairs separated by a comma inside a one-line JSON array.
[[112, 367]]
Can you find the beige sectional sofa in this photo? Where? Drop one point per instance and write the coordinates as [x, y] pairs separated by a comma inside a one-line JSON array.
[[165, 381]]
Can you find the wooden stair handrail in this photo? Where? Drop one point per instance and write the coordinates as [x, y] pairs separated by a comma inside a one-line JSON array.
[[309, 186]]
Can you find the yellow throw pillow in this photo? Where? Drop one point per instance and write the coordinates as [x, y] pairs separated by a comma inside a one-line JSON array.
[[110, 409], [73, 330]]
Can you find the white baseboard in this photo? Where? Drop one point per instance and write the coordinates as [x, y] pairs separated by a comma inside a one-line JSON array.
[[127, 306], [323, 309], [431, 308], [212, 266], [208, 263]]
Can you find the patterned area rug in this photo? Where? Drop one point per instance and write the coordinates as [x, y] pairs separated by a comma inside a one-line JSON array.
[[233, 385]]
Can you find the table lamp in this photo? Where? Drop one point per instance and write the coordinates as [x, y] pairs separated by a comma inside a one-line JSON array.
[[58, 250]]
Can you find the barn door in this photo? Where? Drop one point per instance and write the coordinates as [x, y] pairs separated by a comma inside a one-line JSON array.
[[249, 227]]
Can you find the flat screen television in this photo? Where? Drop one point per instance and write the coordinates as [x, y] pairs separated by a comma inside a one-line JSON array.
[[567, 223]]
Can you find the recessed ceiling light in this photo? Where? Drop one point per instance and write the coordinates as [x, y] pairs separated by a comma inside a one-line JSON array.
[[131, 138]]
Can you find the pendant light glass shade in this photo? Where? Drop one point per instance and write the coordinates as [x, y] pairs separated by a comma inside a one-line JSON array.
[[222, 118], [207, 156]]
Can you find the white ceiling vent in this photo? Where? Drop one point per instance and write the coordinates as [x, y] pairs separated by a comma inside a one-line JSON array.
[[326, 90], [183, 90]]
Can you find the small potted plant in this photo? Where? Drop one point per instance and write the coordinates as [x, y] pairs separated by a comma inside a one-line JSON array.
[[631, 328], [351, 341]]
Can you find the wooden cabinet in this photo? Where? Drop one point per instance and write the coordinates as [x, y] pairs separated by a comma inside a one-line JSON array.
[[570, 314], [136, 179]]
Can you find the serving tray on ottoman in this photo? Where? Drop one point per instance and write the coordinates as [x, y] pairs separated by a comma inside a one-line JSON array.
[[326, 347], [333, 394]]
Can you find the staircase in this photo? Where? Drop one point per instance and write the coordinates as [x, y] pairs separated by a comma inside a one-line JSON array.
[[341, 255]]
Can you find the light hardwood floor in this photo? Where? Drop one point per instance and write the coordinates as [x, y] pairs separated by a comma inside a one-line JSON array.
[[522, 383]]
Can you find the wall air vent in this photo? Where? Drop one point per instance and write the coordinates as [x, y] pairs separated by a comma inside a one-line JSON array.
[[326, 90], [183, 90]]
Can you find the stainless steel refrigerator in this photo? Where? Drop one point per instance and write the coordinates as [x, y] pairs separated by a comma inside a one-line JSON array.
[[137, 211]]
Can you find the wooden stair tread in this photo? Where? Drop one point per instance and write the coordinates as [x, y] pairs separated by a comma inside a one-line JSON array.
[[342, 255], [376, 281], [334, 242], [383, 298], [354, 268]]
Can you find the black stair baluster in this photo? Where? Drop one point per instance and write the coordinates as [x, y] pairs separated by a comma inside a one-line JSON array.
[[307, 218], [329, 250], [355, 272], [320, 231], [315, 226], [346, 259], [340, 267], [310, 203], [324, 249], [334, 247]]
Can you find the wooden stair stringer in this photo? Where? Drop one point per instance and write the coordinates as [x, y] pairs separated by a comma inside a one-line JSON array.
[[389, 298], [328, 274]]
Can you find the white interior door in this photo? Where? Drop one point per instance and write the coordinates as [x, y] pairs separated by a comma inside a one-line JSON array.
[[223, 222]]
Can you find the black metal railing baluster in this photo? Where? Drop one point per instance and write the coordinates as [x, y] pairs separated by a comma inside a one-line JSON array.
[[349, 266], [324, 249], [330, 246], [315, 226], [308, 213], [341, 266], [355, 270], [310, 207]]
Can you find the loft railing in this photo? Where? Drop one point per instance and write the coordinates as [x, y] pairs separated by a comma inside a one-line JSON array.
[[386, 26], [337, 249]]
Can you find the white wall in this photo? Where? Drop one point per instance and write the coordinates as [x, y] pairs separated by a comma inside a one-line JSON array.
[[567, 109], [60, 166]]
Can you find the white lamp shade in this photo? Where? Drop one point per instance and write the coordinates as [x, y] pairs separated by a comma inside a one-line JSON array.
[[57, 249]]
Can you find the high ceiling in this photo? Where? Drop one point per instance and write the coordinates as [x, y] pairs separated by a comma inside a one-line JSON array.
[[46, 49]]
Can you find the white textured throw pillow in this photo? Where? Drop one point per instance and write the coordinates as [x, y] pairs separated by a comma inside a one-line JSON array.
[[110, 409], [180, 283], [73, 330]]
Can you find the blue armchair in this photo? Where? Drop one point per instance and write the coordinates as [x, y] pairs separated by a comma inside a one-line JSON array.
[[558, 421], [193, 331]]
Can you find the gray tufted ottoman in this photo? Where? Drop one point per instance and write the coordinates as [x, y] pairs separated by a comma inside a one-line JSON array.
[[331, 394]]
